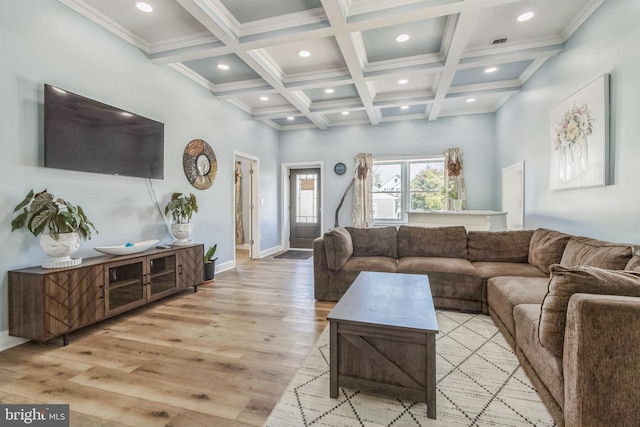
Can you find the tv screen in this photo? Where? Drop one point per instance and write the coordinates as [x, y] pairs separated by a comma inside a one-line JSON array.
[[85, 135]]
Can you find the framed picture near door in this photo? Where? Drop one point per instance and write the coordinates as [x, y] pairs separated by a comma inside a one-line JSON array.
[[580, 138]]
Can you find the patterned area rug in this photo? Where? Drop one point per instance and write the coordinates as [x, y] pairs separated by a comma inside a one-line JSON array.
[[479, 383], [295, 255]]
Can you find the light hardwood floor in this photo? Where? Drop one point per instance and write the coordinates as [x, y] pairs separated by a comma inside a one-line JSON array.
[[218, 357]]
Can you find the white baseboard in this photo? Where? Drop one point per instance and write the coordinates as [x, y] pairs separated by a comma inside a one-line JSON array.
[[224, 266], [271, 251], [7, 341]]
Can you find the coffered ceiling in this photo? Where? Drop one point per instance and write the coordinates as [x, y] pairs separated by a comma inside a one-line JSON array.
[[356, 71]]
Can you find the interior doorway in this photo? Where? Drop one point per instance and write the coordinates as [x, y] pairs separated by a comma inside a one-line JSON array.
[[303, 220], [246, 192]]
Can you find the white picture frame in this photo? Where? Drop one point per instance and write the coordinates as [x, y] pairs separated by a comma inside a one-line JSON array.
[[579, 128]]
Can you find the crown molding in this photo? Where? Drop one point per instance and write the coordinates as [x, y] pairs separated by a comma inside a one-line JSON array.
[[580, 19], [283, 22], [184, 42]]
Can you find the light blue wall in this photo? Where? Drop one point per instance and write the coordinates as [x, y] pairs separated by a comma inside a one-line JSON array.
[[46, 42], [474, 134], [606, 43]]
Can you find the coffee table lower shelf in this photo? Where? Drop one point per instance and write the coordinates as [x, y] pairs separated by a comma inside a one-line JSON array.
[[384, 360]]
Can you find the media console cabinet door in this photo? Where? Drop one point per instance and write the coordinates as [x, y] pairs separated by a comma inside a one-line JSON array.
[[43, 306], [190, 266]]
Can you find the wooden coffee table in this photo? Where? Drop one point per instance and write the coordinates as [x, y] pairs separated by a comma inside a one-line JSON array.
[[383, 338]]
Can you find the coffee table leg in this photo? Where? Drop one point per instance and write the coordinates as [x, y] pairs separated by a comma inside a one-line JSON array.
[[333, 360], [431, 376]]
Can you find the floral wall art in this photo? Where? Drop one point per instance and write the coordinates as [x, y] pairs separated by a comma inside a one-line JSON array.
[[580, 138]]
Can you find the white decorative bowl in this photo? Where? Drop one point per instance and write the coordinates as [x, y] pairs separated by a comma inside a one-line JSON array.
[[126, 250]]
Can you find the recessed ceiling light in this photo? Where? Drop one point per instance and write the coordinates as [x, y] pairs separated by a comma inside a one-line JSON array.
[[223, 67], [143, 6], [525, 16], [264, 98], [402, 38], [491, 70], [304, 53], [471, 100], [290, 118], [329, 90], [403, 81], [345, 113], [404, 107]]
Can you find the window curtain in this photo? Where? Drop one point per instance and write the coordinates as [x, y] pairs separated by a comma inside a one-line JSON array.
[[455, 175], [362, 197], [239, 225]]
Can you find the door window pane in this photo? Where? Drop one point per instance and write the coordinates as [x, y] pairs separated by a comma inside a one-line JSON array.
[[306, 198]]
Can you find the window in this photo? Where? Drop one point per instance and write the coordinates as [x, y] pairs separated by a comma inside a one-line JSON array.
[[406, 185]]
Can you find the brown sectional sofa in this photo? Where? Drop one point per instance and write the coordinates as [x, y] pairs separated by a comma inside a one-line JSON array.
[[568, 305]]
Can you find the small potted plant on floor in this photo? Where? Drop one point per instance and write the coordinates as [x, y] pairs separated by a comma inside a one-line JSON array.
[[210, 263], [181, 207], [60, 224]]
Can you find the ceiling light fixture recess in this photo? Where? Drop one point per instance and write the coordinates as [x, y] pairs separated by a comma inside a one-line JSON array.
[[264, 98], [470, 100], [143, 6], [404, 107], [304, 54], [345, 113], [223, 67], [329, 90], [491, 70], [290, 118], [525, 16], [401, 38], [403, 81]]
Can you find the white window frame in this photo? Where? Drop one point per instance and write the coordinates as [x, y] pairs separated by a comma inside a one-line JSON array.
[[405, 184]]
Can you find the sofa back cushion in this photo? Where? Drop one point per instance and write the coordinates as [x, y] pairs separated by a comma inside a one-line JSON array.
[[546, 248], [566, 281], [338, 248], [445, 242], [381, 241], [596, 253], [499, 246], [634, 263]]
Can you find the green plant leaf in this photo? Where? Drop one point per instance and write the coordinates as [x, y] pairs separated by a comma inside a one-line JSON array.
[[25, 202]]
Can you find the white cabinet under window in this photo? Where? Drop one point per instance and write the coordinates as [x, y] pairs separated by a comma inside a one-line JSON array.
[[472, 220]]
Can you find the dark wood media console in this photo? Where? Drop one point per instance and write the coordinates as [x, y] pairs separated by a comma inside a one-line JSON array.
[[48, 303]]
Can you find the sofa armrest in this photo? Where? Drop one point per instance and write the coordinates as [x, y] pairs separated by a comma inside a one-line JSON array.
[[600, 361]]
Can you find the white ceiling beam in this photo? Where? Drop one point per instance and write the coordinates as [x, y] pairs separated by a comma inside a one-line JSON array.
[[348, 48]]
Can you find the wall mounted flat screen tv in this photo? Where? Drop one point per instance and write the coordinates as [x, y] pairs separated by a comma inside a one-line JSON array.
[[85, 135]]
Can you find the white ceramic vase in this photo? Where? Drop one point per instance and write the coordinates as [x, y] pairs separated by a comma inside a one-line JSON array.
[[59, 251], [181, 233]]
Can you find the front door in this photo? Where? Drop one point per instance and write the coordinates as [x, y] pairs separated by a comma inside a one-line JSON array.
[[304, 207]]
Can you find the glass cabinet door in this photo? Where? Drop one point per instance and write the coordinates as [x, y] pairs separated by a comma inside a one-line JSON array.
[[162, 275], [126, 285]]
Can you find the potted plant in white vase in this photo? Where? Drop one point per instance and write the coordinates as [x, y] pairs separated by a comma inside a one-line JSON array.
[[210, 263], [60, 224], [451, 193], [181, 207]]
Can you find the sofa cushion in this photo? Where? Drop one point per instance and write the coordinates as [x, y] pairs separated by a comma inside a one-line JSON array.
[[505, 293], [634, 263], [487, 270], [452, 278], [546, 248], [499, 246], [338, 247], [547, 365], [381, 241], [566, 281], [371, 263], [596, 253], [446, 242]]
